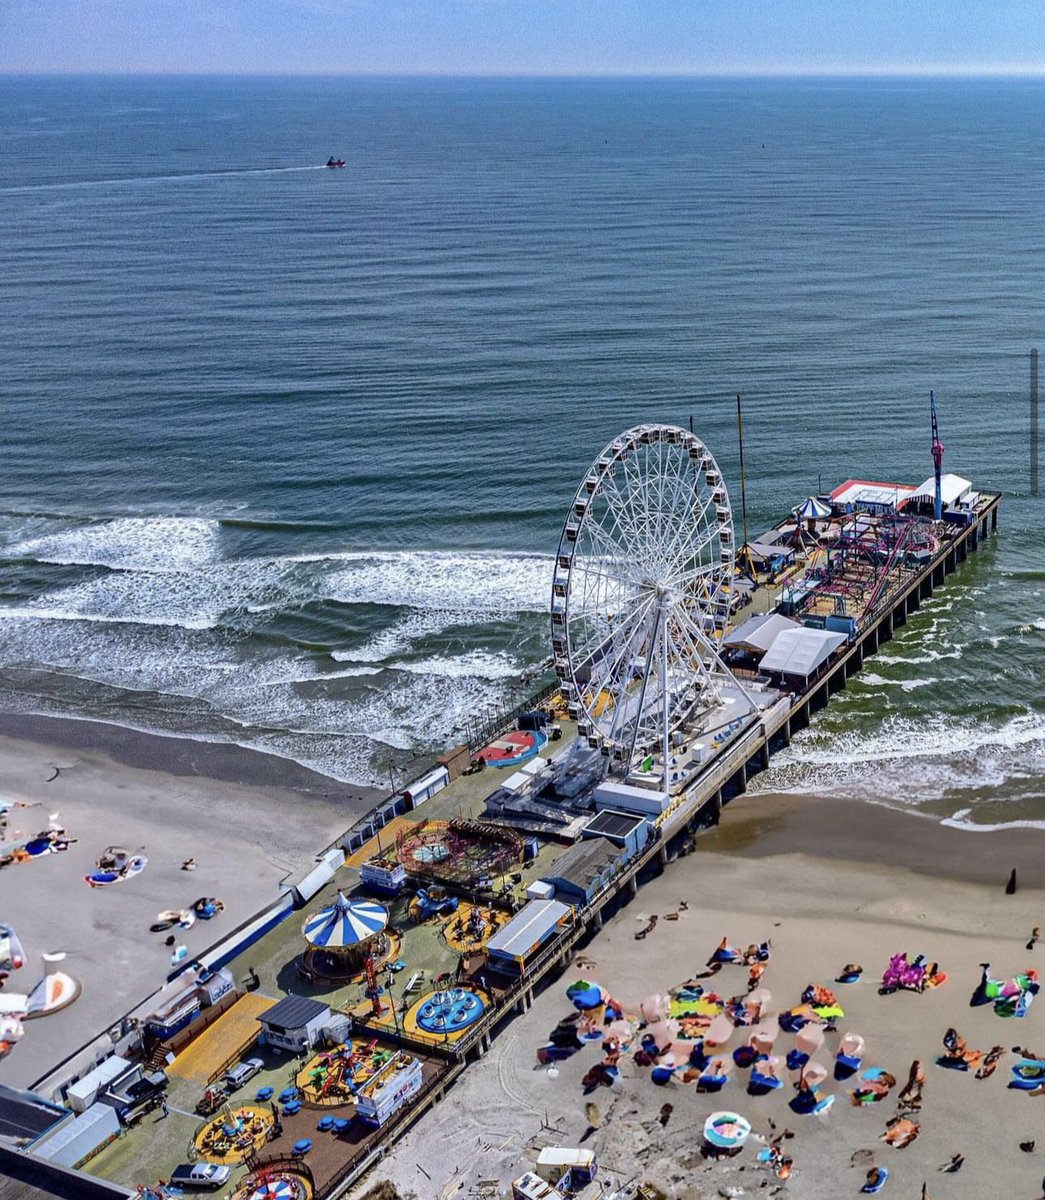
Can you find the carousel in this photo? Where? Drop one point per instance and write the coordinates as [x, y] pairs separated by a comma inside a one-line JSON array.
[[277, 1181], [342, 936], [234, 1134]]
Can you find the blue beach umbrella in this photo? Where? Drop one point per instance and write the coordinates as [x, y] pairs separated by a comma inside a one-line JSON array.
[[345, 922]]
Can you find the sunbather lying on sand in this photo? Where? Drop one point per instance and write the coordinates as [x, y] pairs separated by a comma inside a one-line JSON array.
[[900, 1132], [990, 1062]]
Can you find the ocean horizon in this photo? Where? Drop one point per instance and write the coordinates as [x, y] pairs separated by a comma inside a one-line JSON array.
[[288, 449]]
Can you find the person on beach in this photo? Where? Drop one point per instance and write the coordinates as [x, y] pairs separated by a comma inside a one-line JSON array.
[[990, 1062], [1035, 937], [910, 1097], [900, 1132]]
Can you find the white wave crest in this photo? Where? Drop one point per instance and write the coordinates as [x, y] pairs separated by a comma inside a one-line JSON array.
[[914, 660], [474, 664], [912, 761], [480, 581], [960, 820], [901, 737], [128, 543]]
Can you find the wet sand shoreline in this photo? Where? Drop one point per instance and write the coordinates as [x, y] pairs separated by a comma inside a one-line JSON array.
[[764, 825]]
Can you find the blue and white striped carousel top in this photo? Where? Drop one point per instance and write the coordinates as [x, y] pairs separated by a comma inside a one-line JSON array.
[[812, 510], [345, 922]]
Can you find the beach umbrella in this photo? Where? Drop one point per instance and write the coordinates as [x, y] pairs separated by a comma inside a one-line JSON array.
[[814, 1073], [758, 1000], [852, 1045], [620, 1029], [809, 1039], [719, 1031], [663, 1033], [345, 922], [764, 1035], [578, 986], [726, 1130], [655, 1007], [812, 509], [591, 997]]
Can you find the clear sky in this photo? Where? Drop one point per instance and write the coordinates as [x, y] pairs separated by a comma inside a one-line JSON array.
[[523, 37]]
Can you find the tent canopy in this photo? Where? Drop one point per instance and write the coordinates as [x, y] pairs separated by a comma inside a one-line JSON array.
[[801, 651], [812, 509], [757, 634], [345, 922], [952, 488]]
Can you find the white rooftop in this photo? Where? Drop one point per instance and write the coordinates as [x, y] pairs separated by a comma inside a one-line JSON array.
[[758, 633], [952, 489], [801, 651], [867, 491]]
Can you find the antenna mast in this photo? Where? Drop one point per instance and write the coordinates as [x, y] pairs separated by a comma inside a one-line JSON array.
[[937, 448], [744, 557]]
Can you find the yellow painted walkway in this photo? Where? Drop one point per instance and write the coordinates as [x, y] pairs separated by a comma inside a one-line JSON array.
[[386, 839], [204, 1058]]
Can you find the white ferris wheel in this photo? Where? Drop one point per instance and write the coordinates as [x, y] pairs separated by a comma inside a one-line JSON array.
[[641, 594]]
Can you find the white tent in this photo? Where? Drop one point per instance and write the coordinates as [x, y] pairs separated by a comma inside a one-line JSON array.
[[801, 651], [952, 489], [757, 634]]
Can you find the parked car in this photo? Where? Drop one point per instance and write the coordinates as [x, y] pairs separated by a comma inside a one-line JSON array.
[[202, 1177], [242, 1073]]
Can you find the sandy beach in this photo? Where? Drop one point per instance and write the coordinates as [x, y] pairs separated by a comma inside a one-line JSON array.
[[829, 883], [249, 820]]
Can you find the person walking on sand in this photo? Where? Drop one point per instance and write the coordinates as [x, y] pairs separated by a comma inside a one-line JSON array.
[[1035, 937]]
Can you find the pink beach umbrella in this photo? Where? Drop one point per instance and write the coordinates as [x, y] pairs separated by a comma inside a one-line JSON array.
[[764, 1035], [663, 1032], [655, 1007], [621, 1030], [809, 1039], [719, 1031], [758, 1001], [814, 1073], [852, 1046]]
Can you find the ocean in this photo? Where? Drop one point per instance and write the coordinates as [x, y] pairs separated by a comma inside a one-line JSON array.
[[287, 450]]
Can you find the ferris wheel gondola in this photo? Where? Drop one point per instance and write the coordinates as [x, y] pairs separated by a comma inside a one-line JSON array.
[[642, 591]]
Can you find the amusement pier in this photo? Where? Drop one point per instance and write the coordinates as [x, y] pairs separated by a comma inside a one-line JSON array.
[[291, 1055]]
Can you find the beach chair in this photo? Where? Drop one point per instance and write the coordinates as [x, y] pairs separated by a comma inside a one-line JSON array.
[[849, 1057], [872, 1189], [714, 1079], [763, 1081], [1027, 1074]]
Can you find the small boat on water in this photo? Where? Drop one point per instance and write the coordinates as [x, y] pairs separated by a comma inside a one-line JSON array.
[[335, 162]]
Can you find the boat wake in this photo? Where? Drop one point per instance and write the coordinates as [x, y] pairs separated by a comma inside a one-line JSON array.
[[131, 180]]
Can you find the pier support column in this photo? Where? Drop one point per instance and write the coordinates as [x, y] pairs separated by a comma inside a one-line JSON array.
[[765, 755], [632, 887], [785, 729], [994, 519], [596, 921], [715, 807], [741, 778], [662, 855]]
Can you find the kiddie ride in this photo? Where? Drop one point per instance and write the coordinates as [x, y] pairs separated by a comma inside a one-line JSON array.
[[434, 902]]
